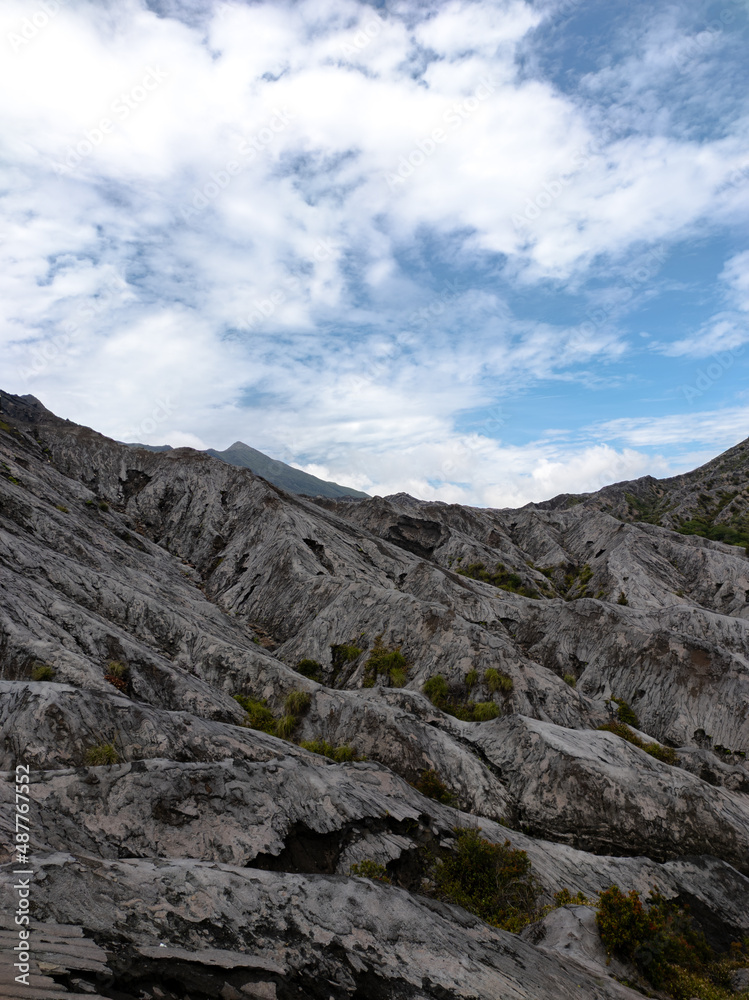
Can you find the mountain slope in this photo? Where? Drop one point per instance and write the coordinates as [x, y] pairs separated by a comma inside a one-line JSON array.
[[711, 501], [184, 827]]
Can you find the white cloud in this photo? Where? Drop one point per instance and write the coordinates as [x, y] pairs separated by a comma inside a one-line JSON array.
[[153, 290]]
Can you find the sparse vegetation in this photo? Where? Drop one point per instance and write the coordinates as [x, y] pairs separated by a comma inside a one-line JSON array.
[[103, 505], [624, 713], [370, 869], [297, 702], [42, 672], [118, 675], [472, 678], [502, 578], [260, 717], [384, 662], [496, 681], [494, 881], [570, 679], [431, 785], [666, 946], [340, 754], [666, 755], [310, 668], [101, 754], [62, 508], [622, 598], [437, 691]]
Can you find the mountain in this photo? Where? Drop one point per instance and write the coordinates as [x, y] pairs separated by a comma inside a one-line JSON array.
[[712, 501], [278, 473], [265, 733]]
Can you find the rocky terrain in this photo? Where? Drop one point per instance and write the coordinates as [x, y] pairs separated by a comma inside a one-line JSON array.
[[185, 844]]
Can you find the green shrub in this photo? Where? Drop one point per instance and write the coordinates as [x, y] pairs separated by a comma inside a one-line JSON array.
[[62, 508], [472, 678], [346, 654], [370, 869], [310, 668], [103, 505], [570, 679], [436, 690], [285, 727], [101, 754], [297, 702], [494, 881], [431, 785], [501, 578], [656, 939], [483, 711], [118, 675], [665, 754], [259, 716], [565, 898], [43, 672], [624, 713], [340, 754], [622, 598], [495, 680], [390, 663]]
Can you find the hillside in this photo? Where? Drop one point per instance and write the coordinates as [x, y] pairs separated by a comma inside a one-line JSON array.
[[193, 663], [712, 501]]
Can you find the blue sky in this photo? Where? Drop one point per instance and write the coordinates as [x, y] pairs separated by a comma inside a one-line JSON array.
[[480, 252]]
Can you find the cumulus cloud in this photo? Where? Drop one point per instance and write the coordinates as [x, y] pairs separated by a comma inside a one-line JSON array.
[[307, 224]]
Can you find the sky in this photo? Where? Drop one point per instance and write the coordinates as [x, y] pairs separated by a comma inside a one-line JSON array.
[[480, 252]]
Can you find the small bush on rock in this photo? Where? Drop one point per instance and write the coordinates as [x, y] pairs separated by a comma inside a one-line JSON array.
[[570, 679], [495, 680], [384, 662], [118, 675], [370, 869], [101, 754], [431, 785], [42, 672], [624, 713], [665, 754], [340, 754], [310, 668], [297, 702], [483, 711], [657, 938], [494, 881]]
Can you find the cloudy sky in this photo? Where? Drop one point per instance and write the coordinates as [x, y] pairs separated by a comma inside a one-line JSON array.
[[479, 251]]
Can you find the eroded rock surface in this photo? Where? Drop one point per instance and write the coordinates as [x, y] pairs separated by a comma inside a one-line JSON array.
[[230, 847]]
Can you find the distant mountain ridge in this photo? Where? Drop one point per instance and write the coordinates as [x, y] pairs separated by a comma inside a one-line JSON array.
[[276, 472], [281, 474]]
